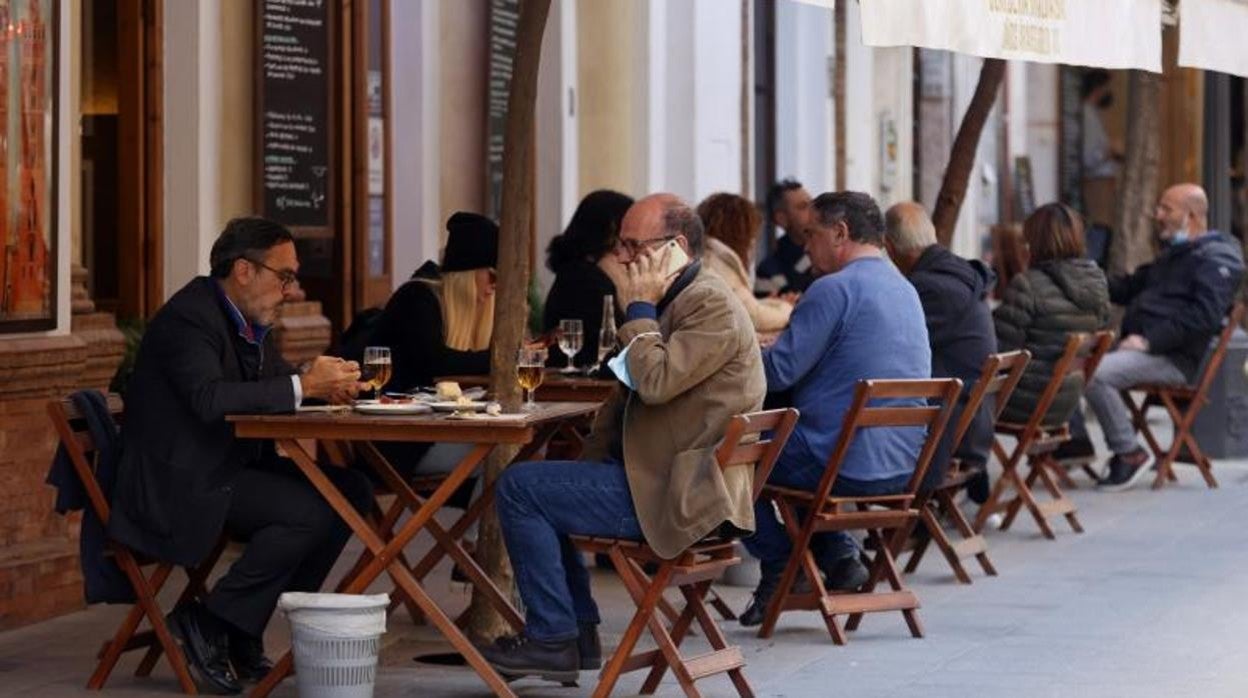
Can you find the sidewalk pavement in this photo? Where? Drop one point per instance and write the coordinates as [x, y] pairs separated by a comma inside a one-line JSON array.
[[1147, 602]]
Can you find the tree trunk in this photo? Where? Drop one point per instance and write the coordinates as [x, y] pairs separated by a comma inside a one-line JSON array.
[[962, 157], [510, 306], [1131, 244]]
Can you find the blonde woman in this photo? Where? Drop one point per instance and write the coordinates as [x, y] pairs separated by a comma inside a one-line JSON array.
[[732, 224], [441, 325]]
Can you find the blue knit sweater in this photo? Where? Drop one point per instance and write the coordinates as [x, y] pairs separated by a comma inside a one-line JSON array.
[[864, 321]]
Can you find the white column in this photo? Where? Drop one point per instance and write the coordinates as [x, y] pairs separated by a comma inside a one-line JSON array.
[[804, 145], [556, 123], [1041, 121], [861, 129], [716, 90], [414, 126], [192, 87]]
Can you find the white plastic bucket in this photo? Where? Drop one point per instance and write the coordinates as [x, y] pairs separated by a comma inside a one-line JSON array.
[[335, 639]]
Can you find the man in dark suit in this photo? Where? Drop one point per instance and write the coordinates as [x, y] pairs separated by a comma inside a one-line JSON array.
[[184, 479]]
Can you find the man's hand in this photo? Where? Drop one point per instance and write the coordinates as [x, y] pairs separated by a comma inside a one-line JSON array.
[[331, 378], [618, 275], [647, 280], [791, 297], [1133, 342]]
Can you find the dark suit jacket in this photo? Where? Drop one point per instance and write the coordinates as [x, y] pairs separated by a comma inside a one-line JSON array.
[[179, 456]]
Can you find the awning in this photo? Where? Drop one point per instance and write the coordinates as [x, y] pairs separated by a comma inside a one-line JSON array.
[[1213, 35], [1100, 33]]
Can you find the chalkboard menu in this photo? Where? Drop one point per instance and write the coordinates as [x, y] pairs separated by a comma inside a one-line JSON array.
[[1071, 154], [504, 23], [293, 111]]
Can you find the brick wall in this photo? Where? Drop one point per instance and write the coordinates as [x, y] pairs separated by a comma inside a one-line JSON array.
[[39, 575]]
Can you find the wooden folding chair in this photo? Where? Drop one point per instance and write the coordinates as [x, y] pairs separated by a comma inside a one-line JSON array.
[[71, 428], [887, 519], [1036, 442], [746, 443], [1182, 403], [997, 380]]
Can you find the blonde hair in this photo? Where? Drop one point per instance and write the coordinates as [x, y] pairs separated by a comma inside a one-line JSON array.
[[465, 326]]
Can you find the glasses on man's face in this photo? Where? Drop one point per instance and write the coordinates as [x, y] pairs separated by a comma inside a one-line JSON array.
[[286, 276], [636, 247]]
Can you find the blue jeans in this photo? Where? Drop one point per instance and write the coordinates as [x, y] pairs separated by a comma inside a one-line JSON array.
[[540, 504], [770, 543]]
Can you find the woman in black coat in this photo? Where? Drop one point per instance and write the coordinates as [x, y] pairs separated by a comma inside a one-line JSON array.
[[580, 285], [1059, 293]]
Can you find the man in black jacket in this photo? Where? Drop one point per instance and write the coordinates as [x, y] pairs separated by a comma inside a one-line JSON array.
[[1174, 306], [954, 295], [788, 268], [184, 479]]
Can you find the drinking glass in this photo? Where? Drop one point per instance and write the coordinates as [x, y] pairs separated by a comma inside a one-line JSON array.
[[606, 345], [571, 337], [376, 370], [530, 367]]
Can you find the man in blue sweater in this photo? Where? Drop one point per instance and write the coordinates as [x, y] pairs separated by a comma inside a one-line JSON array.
[[860, 319]]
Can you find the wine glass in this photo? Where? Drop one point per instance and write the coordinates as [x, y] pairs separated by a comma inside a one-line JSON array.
[[376, 370], [571, 337], [530, 369]]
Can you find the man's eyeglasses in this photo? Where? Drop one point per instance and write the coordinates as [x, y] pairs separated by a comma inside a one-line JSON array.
[[286, 276], [636, 247]]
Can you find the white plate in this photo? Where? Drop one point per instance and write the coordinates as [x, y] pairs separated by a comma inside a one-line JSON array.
[[371, 407], [452, 406]]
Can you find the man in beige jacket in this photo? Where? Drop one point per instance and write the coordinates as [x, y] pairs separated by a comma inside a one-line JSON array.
[[689, 361]]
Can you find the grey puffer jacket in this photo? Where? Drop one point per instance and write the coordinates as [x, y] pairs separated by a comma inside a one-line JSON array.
[[1040, 308]]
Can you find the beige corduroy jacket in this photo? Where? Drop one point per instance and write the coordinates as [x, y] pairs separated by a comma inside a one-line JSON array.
[[693, 369]]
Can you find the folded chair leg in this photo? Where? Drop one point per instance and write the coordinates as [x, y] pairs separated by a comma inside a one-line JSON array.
[[894, 580], [877, 572], [195, 589], [645, 598], [1202, 461], [1028, 496], [679, 630], [920, 547], [146, 598], [968, 533], [695, 595], [1056, 493], [721, 607], [936, 533], [113, 650]]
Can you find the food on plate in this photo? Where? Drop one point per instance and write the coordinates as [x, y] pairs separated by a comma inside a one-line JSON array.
[[493, 409], [391, 399], [449, 390]]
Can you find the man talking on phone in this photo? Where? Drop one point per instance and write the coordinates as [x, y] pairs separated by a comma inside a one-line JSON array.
[[688, 363]]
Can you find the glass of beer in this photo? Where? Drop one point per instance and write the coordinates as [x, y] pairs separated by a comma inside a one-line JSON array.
[[530, 365], [571, 337], [376, 369]]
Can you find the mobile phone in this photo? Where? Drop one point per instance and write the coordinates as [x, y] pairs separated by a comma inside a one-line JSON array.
[[676, 257]]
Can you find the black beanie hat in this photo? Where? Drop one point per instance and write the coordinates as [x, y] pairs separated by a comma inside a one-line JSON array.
[[471, 242]]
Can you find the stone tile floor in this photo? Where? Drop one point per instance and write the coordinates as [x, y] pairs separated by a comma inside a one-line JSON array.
[[1147, 602]]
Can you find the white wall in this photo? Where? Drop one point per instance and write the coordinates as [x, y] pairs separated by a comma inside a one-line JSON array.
[[804, 145], [556, 124], [717, 126], [1041, 121], [414, 72], [192, 88]]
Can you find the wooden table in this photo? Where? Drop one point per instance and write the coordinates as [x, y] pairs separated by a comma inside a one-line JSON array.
[[530, 431], [555, 387]]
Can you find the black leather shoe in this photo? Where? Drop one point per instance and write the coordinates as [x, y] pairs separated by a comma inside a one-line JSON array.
[[845, 574], [247, 657], [519, 655], [753, 615], [204, 649], [589, 647]]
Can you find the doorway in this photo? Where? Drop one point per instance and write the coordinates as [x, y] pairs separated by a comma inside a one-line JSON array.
[[121, 132]]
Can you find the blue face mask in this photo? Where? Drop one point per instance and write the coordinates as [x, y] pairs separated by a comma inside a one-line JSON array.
[[1180, 237]]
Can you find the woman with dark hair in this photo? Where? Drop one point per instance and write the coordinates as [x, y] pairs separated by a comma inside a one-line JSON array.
[[732, 225], [580, 285], [1059, 293]]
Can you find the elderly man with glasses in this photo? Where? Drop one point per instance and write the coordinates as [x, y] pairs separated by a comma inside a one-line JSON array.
[[688, 362], [183, 479]]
